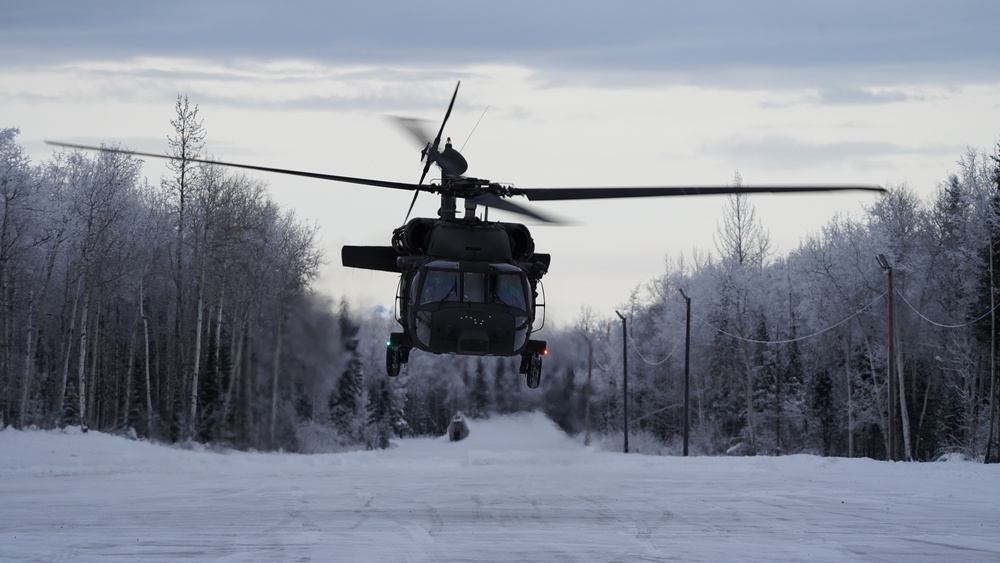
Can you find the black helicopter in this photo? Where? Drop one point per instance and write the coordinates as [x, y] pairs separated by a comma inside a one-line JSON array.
[[470, 286]]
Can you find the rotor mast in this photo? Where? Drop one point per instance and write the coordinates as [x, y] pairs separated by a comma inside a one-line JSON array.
[[448, 207]]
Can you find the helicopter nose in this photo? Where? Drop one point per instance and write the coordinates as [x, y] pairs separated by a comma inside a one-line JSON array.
[[473, 331], [473, 336]]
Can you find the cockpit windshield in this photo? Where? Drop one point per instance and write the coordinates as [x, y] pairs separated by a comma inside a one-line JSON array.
[[473, 287], [507, 289], [502, 284], [440, 285]]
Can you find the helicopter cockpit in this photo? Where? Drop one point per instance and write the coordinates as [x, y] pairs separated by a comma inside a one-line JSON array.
[[445, 281], [469, 307]]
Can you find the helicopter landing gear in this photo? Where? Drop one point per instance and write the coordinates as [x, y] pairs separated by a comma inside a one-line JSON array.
[[395, 354], [395, 357], [392, 361], [531, 363], [531, 367]]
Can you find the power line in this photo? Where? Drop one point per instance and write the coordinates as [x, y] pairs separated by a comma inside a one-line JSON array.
[[769, 342], [635, 347], [601, 367], [941, 325], [791, 340], [643, 358], [657, 411]]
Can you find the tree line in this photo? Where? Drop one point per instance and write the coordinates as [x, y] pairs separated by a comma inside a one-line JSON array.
[[790, 354], [185, 311], [158, 309]]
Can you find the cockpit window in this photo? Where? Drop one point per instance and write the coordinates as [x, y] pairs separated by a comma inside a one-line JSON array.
[[445, 281], [439, 286], [474, 287], [507, 289]]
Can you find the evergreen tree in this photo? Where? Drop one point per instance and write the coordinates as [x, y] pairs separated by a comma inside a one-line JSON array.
[[382, 415], [69, 413], [502, 388], [823, 411], [303, 402], [561, 400], [346, 400], [210, 394], [479, 400], [793, 395]]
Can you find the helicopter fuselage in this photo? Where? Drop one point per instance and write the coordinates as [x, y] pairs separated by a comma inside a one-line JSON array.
[[467, 307], [467, 287]]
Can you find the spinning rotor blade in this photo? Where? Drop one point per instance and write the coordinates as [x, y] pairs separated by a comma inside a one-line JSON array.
[[430, 153], [413, 127], [433, 149], [347, 179], [553, 194], [412, 203], [437, 140], [491, 200]]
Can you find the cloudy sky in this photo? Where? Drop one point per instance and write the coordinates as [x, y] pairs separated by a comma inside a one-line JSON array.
[[565, 93]]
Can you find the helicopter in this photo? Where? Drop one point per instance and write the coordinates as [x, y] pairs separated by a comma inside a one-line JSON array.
[[467, 285]]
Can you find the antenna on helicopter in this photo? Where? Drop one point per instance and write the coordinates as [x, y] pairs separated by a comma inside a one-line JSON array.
[[474, 127]]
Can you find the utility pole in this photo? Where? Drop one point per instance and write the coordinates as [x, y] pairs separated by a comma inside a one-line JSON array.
[[687, 370], [892, 358], [624, 375], [590, 369]]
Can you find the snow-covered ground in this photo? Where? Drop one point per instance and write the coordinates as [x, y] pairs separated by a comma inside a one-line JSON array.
[[516, 490]]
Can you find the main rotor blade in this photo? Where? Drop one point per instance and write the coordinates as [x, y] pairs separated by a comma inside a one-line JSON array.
[[412, 203], [552, 194], [414, 127], [491, 200], [317, 175], [437, 140]]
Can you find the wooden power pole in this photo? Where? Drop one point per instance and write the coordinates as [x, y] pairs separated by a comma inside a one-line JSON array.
[[687, 371], [624, 375], [892, 358]]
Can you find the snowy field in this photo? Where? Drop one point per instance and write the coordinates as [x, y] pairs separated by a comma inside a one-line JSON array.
[[516, 490]]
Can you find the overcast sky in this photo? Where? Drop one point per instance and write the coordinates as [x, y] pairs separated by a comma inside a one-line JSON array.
[[579, 93]]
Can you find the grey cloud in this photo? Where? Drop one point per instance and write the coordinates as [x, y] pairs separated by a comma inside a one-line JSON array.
[[193, 82], [858, 96], [788, 152], [701, 42], [839, 95]]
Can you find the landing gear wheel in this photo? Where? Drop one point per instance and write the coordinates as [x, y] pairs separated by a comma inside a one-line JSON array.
[[393, 360], [531, 367]]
